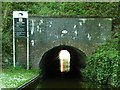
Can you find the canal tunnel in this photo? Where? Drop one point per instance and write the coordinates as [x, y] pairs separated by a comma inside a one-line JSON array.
[[50, 35], [50, 63], [86, 34]]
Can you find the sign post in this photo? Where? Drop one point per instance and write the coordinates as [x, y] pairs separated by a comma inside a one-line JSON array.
[[20, 30]]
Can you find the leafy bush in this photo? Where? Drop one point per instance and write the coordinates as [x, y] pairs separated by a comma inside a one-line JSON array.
[[103, 65]]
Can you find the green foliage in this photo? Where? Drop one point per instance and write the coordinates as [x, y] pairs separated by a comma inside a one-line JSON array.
[[83, 9], [103, 65], [6, 31], [51, 8]]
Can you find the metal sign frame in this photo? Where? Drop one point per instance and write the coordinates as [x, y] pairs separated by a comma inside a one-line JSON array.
[[20, 15]]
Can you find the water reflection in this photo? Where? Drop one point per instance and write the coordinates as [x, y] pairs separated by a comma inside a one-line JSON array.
[[71, 83], [60, 83]]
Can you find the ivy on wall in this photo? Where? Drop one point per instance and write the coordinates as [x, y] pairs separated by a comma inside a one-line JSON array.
[[6, 31], [104, 66]]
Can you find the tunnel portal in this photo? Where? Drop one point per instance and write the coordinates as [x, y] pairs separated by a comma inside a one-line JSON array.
[[46, 32], [81, 32], [50, 63]]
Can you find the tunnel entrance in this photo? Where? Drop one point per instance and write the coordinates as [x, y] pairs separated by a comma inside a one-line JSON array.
[[64, 57], [51, 67], [84, 33]]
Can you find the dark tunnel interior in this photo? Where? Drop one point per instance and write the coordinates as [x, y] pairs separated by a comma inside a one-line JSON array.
[[50, 63]]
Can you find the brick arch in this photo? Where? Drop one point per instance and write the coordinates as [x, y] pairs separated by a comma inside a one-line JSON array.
[[81, 32], [49, 63]]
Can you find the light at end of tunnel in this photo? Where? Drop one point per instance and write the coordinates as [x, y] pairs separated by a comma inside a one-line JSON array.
[[64, 57]]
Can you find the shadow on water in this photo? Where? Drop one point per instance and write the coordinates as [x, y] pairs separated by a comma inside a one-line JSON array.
[[71, 83], [60, 83]]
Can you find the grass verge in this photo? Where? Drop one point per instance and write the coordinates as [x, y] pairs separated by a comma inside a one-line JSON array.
[[13, 77]]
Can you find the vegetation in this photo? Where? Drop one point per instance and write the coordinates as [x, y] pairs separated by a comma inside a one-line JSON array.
[[50, 8], [14, 77], [104, 65]]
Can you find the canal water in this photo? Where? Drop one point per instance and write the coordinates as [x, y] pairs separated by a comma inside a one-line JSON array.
[[72, 83]]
